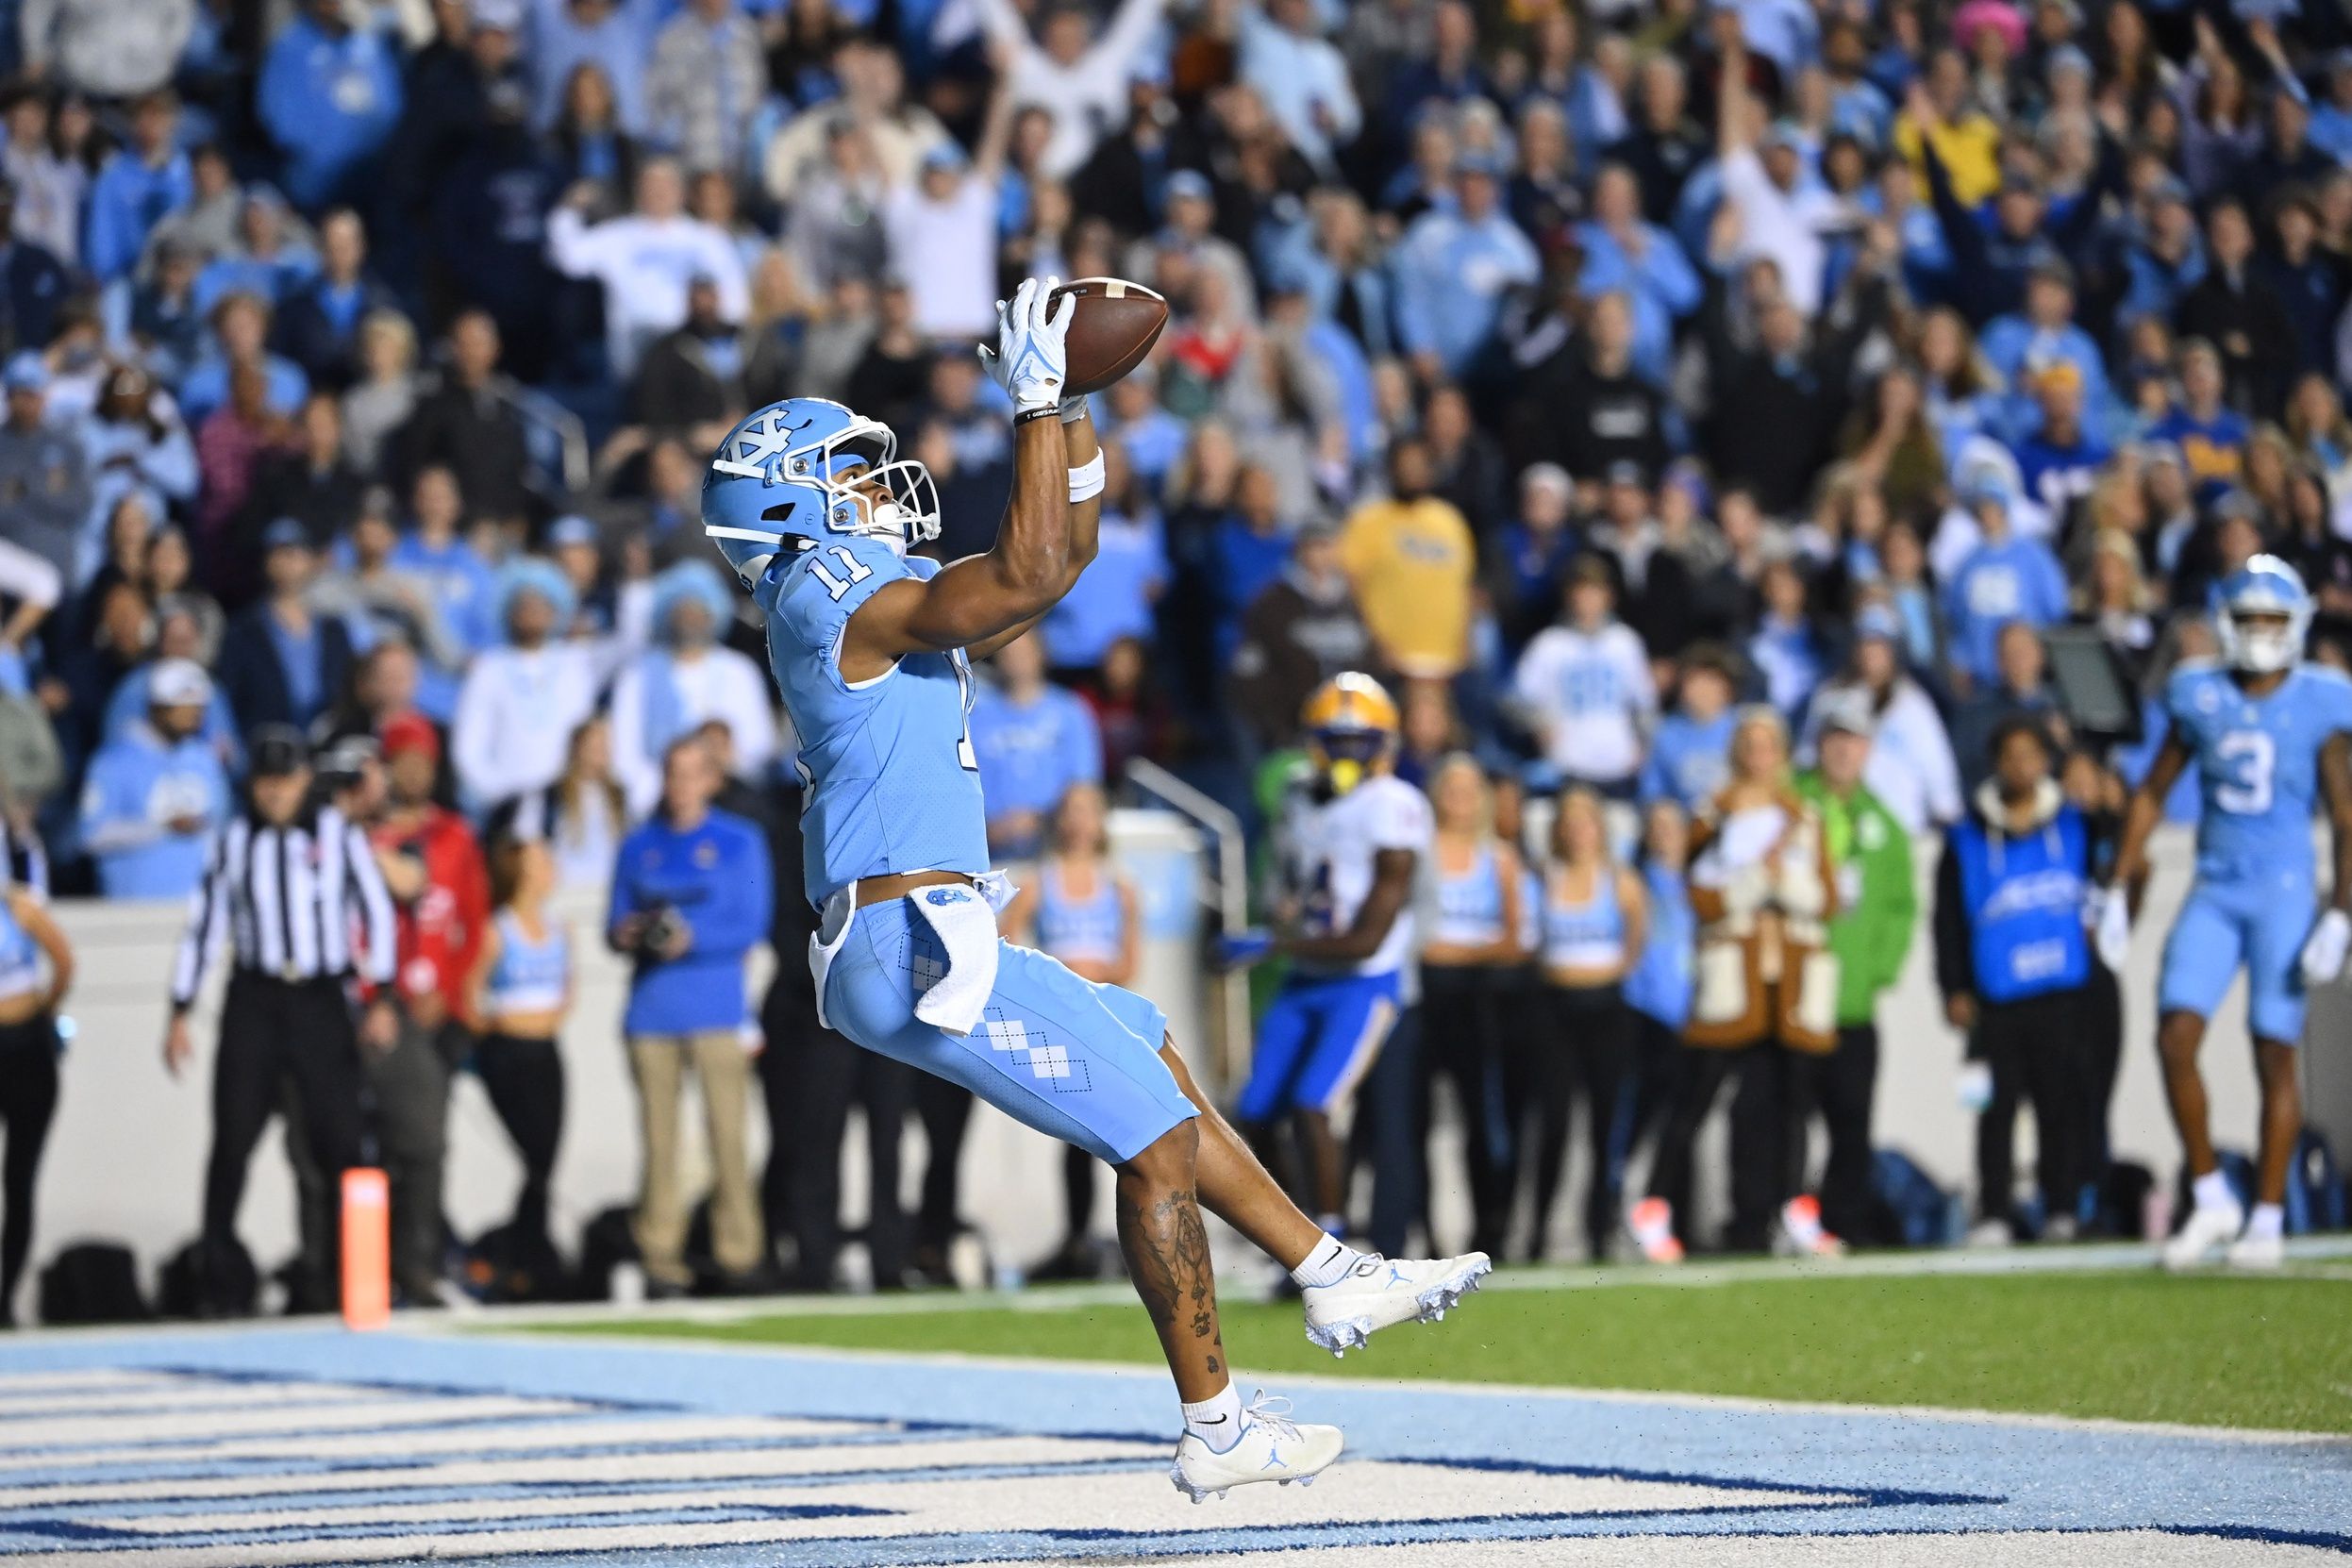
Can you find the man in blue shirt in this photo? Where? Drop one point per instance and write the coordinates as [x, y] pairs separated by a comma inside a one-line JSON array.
[[1691, 754], [1033, 742], [1453, 270], [139, 185], [2027, 343], [328, 97], [2060, 460], [156, 792], [2210, 434], [281, 664], [2007, 577], [692, 896]]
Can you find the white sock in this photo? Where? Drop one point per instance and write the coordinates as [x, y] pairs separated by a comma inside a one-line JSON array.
[[2266, 1224], [1216, 1420], [2212, 1192], [1327, 1264]]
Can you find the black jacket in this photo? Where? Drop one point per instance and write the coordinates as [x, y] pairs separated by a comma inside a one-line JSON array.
[[254, 681], [307, 334]]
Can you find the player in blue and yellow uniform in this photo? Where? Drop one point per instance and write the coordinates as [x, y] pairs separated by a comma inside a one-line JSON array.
[[2267, 735], [1354, 850], [871, 647]]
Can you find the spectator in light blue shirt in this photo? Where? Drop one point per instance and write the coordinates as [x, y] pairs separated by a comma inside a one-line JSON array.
[[2331, 117], [1151, 438], [268, 266], [1033, 742], [1622, 254], [1301, 76], [438, 553], [615, 36], [1690, 757], [2007, 577], [1114, 594], [1454, 269], [2026, 343], [1786, 32], [328, 99], [156, 793], [137, 188]]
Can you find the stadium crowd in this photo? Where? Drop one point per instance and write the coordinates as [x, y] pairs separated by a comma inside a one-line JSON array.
[[1661, 395]]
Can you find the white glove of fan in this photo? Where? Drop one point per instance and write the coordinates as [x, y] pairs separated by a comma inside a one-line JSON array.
[[1031, 359], [2326, 949], [2109, 918]]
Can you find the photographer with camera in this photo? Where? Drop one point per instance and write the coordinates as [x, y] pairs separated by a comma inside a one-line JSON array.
[[690, 898]]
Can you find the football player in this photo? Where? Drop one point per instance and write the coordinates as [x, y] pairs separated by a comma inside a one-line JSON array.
[[872, 649], [2266, 733], [1353, 851]]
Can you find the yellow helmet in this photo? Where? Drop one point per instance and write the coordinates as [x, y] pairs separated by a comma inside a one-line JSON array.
[[1351, 729]]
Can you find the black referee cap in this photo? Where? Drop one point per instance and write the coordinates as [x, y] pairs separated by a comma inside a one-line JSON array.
[[275, 750]]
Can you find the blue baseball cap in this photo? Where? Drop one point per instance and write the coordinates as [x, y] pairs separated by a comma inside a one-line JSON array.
[[1986, 484], [285, 534], [571, 528], [1878, 623], [27, 371]]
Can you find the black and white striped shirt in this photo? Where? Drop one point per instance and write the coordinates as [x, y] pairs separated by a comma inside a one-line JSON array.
[[302, 902]]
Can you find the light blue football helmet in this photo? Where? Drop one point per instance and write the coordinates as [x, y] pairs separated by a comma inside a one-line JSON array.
[[2263, 586], [797, 471]]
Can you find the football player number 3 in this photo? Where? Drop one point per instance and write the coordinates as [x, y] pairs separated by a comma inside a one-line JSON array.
[[858, 570], [2252, 757]]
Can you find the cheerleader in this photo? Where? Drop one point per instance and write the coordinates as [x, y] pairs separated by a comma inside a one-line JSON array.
[[28, 1068], [1078, 909], [1658, 991], [1594, 918], [522, 991], [1472, 909]]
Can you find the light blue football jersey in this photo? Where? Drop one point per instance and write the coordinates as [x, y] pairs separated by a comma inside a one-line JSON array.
[[2256, 761], [892, 782]]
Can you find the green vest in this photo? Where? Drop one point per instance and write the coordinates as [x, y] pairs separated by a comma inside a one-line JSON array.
[[1878, 902]]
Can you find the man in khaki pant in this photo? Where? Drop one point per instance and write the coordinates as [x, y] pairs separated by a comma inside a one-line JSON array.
[[691, 897]]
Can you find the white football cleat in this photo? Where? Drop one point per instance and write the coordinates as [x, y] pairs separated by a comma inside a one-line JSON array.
[[1272, 1447], [2208, 1228], [2257, 1252], [1380, 1292]]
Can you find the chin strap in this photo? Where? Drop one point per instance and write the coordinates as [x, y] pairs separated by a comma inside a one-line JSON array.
[[1086, 480]]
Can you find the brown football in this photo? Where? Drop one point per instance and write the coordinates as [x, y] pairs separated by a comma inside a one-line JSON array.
[[1116, 324]]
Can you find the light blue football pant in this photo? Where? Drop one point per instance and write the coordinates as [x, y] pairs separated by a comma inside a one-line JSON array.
[[1073, 1059], [2259, 920]]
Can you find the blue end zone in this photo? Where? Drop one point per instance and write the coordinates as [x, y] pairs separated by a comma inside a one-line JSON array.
[[192, 1447]]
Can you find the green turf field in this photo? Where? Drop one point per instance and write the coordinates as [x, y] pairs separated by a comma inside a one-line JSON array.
[[2207, 1351]]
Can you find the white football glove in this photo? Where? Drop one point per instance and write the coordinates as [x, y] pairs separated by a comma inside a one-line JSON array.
[[2109, 915], [1030, 359], [2326, 949]]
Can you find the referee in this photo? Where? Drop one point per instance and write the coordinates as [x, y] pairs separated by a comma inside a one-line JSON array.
[[294, 891]]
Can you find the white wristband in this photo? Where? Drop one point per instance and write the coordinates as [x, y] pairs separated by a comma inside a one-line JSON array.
[[1086, 480]]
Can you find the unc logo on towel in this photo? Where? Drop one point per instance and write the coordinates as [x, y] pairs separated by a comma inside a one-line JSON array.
[[946, 895]]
